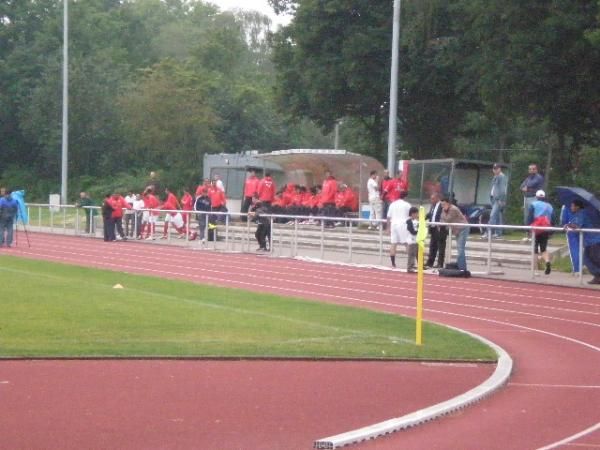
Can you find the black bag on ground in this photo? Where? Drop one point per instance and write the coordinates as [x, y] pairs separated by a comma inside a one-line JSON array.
[[212, 233], [451, 266], [454, 273]]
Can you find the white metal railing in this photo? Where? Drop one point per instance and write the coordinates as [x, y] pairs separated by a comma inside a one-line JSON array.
[[239, 238]]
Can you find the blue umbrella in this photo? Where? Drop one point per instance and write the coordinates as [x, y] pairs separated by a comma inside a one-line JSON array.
[[566, 195]]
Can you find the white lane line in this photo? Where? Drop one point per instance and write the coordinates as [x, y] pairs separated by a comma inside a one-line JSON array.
[[572, 438], [188, 273], [272, 269], [447, 313], [558, 386]]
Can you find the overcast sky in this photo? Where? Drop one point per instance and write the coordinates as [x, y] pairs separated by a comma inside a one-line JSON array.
[[255, 5]]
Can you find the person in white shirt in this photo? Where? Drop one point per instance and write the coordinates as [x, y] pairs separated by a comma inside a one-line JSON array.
[[138, 205], [218, 182], [374, 200], [397, 215], [129, 215]]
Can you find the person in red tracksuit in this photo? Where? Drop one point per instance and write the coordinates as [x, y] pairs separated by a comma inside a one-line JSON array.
[[266, 190], [203, 188], [387, 185], [250, 190], [217, 203], [118, 203], [187, 204], [149, 217], [328, 192], [171, 203], [398, 187]]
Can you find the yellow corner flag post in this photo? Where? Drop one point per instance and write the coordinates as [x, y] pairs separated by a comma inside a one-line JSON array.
[[421, 235]]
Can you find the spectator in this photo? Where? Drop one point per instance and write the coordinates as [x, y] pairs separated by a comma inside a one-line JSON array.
[[250, 190], [540, 215], [412, 248], [452, 215], [437, 233], [8, 211], [202, 206], [85, 202], [498, 200], [328, 192], [374, 200], [581, 220], [397, 187], [385, 189], [138, 206], [154, 182], [118, 203], [108, 223], [266, 190], [217, 203], [398, 214], [129, 215], [263, 225], [149, 217], [218, 182], [203, 188], [531, 184], [171, 218], [187, 204]]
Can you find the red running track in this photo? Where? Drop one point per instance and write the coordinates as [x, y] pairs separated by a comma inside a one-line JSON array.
[[552, 333]]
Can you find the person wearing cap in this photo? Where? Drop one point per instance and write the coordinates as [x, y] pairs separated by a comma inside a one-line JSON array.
[[530, 185], [540, 215], [498, 200]]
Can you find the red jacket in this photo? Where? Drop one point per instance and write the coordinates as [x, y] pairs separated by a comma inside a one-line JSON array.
[[202, 189], [398, 186], [217, 197], [117, 205], [187, 202], [287, 196], [266, 189], [386, 189], [329, 190], [151, 202], [251, 186]]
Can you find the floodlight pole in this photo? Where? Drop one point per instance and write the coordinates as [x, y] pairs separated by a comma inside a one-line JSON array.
[[65, 106], [392, 130]]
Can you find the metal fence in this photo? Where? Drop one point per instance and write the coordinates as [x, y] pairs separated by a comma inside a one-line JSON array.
[[291, 236]]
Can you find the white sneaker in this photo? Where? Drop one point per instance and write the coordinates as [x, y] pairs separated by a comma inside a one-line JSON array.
[[150, 238]]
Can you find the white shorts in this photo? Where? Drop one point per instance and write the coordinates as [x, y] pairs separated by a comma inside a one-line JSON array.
[[398, 234], [148, 218], [176, 220]]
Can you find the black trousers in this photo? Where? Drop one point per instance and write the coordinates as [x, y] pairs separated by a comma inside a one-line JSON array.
[[437, 246], [245, 207], [263, 233], [109, 229]]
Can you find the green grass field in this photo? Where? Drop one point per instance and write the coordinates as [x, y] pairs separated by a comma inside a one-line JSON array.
[[50, 309]]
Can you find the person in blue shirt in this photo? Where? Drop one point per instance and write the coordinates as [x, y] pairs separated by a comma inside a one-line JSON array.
[[530, 185], [540, 215], [8, 211], [591, 241]]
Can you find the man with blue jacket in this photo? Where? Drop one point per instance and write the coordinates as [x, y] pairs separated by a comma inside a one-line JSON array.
[[8, 212]]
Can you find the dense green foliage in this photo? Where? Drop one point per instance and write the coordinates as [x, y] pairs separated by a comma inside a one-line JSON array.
[[80, 314], [155, 84], [486, 79]]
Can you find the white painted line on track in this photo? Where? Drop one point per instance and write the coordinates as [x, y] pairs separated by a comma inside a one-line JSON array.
[[572, 438], [555, 386], [488, 387], [188, 270]]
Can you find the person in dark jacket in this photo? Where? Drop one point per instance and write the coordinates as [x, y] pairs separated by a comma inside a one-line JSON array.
[[107, 219], [263, 225], [8, 211]]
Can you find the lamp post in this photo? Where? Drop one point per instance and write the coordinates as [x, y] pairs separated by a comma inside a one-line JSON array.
[[394, 91], [65, 105]]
